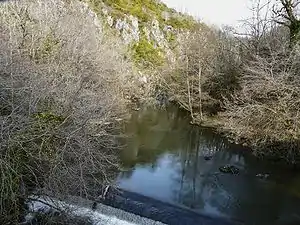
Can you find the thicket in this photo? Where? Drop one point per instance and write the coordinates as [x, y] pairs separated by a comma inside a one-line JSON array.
[[62, 84], [247, 85]]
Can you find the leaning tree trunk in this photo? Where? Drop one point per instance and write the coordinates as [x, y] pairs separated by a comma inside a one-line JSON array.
[[200, 91], [288, 17], [294, 32]]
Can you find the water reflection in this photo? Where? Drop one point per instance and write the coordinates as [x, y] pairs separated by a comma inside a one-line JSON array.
[[164, 159]]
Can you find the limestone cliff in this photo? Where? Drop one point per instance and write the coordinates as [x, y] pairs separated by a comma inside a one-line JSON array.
[[148, 27]]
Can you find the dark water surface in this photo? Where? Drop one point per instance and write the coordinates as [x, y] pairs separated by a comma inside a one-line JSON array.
[[166, 158]]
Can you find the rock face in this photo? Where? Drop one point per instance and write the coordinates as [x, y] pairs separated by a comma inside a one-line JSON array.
[[131, 29], [128, 27], [131, 32], [160, 27], [85, 8]]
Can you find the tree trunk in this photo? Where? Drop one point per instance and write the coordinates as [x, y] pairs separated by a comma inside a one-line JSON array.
[[200, 91], [294, 32], [189, 96]]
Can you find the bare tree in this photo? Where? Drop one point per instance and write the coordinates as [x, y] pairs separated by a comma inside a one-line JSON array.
[[287, 16], [264, 112], [61, 91], [193, 68]]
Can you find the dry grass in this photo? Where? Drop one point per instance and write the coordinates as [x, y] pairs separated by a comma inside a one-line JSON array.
[[61, 85]]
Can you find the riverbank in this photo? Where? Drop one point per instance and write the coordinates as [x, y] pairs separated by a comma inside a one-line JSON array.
[[246, 93], [271, 150], [267, 151]]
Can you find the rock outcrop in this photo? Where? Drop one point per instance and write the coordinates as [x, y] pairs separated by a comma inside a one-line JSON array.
[[158, 25]]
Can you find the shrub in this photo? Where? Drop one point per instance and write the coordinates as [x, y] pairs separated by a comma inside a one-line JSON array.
[[227, 69], [60, 218], [60, 85], [181, 22], [143, 10], [145, 53], [265, 111]]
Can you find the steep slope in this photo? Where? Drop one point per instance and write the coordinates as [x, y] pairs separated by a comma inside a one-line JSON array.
[[149, 27]]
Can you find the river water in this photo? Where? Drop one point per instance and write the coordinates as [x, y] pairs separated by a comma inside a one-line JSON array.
[[168, 159]]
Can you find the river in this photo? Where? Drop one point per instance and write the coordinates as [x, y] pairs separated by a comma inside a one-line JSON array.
[[168, 159]]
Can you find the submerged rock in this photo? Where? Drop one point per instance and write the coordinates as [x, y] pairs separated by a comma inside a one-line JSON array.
[[229, 169], [262, 176], [207, 157], [94, 206]]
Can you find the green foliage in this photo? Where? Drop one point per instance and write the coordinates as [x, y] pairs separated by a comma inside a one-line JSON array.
[[49, 117], [95, 5], [138, 12], [145, 11], [144, 52], [49, 45], [171, 37], [182, 22]]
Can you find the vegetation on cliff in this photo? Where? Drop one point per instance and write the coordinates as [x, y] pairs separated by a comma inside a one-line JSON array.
[[147, 10], [145, 53], [153, 27]]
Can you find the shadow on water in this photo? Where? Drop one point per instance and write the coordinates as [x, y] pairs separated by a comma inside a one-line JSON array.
[[172, 161]]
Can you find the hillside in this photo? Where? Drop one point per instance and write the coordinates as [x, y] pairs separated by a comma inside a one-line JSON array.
[[149, 28]]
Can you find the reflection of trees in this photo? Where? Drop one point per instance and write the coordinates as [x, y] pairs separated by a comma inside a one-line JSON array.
[[197, 178], [196, 183], [152, 133], [199, 182]]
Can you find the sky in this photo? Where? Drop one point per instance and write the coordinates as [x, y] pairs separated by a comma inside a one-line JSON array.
[[215, 12]]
